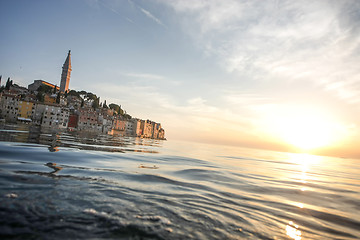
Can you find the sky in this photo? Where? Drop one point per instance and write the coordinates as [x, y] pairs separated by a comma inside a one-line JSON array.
[[278, 75]]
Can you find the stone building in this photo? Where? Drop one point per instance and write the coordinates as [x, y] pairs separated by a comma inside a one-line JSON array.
[[38, 111], [136, 127], [25, 109], [50, 98], [105, 118], [37, 83], [88, 120], [9, 106], [73, 121], [65, 75], [118, 126], [161, 134], [155, 129], [146, 128], [55, 116]]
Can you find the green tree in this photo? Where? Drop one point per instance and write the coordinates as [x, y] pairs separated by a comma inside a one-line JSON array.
[[73, 93], [127, 116], [115, 107], [58, 98], [104, 105], [96, 103], [45, 89], [40, 97], [91, 96], [8, 84]]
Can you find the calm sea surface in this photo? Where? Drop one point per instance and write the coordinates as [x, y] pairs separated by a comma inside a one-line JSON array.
[[66, 186]]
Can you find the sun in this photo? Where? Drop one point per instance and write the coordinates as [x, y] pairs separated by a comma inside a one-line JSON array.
[[307, 132], [306, 129]]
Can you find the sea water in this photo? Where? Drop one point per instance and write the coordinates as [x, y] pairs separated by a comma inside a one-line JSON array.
[[57, 185]]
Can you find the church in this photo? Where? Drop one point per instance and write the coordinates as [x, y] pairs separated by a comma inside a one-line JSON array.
[[65, 78], [65, 75]]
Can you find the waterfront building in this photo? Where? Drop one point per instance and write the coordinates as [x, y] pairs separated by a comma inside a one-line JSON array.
[[25, 110], [73, 121], [146, 128], [118, 126], [65, 75], [105, 119], [136, 127], [129, 128], [9, 106], [37, 114], [55, 116], [88, 120], [156, 128], [161, 134]]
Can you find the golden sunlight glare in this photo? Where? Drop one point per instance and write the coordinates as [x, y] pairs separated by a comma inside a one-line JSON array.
[[307, 130]]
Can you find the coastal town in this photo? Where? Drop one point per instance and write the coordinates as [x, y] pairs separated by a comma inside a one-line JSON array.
[[58, 107]]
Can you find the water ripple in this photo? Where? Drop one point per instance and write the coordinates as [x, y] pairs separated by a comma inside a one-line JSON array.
[[72, 186]]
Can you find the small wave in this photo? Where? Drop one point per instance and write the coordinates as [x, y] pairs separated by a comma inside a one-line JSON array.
[[101, 193], [11, 195], [155, 218], [148, 167]]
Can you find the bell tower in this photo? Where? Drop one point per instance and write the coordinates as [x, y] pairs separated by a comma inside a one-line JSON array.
[[65, 75]]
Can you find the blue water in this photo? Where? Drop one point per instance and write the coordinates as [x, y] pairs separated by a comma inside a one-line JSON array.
[[68, 185]]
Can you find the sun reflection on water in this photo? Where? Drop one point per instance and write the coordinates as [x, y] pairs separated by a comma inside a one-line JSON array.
[[303, 164], [292, 230], [304, 159], [302, 168]]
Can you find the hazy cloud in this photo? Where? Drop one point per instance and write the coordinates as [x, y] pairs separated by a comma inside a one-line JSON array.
[[145, 76], [315, 41]]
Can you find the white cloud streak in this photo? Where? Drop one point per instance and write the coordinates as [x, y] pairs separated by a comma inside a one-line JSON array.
[[112, 5], [152, 17]]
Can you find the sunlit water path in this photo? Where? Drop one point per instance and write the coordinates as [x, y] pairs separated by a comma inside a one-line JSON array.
[[81, 186]]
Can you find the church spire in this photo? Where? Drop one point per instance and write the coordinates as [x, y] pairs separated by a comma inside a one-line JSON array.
[[65, 75]]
